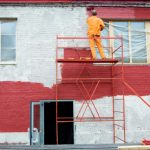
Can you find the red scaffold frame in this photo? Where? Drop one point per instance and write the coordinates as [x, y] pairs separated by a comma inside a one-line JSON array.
[[116, 123]]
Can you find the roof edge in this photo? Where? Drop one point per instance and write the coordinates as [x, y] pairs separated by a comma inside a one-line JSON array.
[[47, 3]]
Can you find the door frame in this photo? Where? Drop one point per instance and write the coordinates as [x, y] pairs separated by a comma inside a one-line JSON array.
[[32, 105], [41, 105]]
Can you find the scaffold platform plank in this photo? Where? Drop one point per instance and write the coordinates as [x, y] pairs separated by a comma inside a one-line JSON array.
[[87, 61]]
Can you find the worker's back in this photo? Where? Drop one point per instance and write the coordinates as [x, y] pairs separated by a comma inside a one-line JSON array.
[[95, 25]]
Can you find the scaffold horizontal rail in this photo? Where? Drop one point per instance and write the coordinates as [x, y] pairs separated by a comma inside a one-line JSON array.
[[87, 61], [82, 38], [82, 119]]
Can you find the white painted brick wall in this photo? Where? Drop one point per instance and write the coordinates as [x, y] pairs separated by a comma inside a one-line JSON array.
[[37, 28]]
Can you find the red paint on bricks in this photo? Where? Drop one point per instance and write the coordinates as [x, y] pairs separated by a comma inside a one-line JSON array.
[[122, 13], [15, 97]]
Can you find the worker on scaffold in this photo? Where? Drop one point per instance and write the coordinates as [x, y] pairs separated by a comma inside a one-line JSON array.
[[95, 26]]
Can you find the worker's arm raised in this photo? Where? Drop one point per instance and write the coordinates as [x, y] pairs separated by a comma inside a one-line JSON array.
[[102, 25]]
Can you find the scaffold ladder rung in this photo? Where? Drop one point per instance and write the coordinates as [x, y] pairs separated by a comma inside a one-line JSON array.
[[118, 99], [118, 125], [118, 111]]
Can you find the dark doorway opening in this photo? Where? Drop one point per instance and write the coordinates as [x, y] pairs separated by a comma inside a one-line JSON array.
[[65, 129]]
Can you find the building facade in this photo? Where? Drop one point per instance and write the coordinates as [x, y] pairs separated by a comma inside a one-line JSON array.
[[28, 65]]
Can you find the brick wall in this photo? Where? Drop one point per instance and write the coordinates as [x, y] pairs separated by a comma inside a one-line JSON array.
[[16, 96], [32, 76]]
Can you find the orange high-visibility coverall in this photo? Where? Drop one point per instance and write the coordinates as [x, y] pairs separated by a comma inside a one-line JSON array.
[[95, 25]]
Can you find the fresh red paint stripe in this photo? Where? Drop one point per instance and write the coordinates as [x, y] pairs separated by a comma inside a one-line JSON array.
[[129, 13]]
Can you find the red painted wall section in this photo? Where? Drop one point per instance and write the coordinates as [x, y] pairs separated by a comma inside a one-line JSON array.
[[122, 13], [15, 100], [15, 97]]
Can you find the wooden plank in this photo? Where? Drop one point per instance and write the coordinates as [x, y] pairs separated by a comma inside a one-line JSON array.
[[137, 147]]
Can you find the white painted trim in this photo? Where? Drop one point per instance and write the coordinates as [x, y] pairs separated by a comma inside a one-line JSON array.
[[8, 62], [14, 137], [0, 41], [147, 26]]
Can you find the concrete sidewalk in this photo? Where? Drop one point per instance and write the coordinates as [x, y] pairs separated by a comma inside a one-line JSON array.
[[60, 147]]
